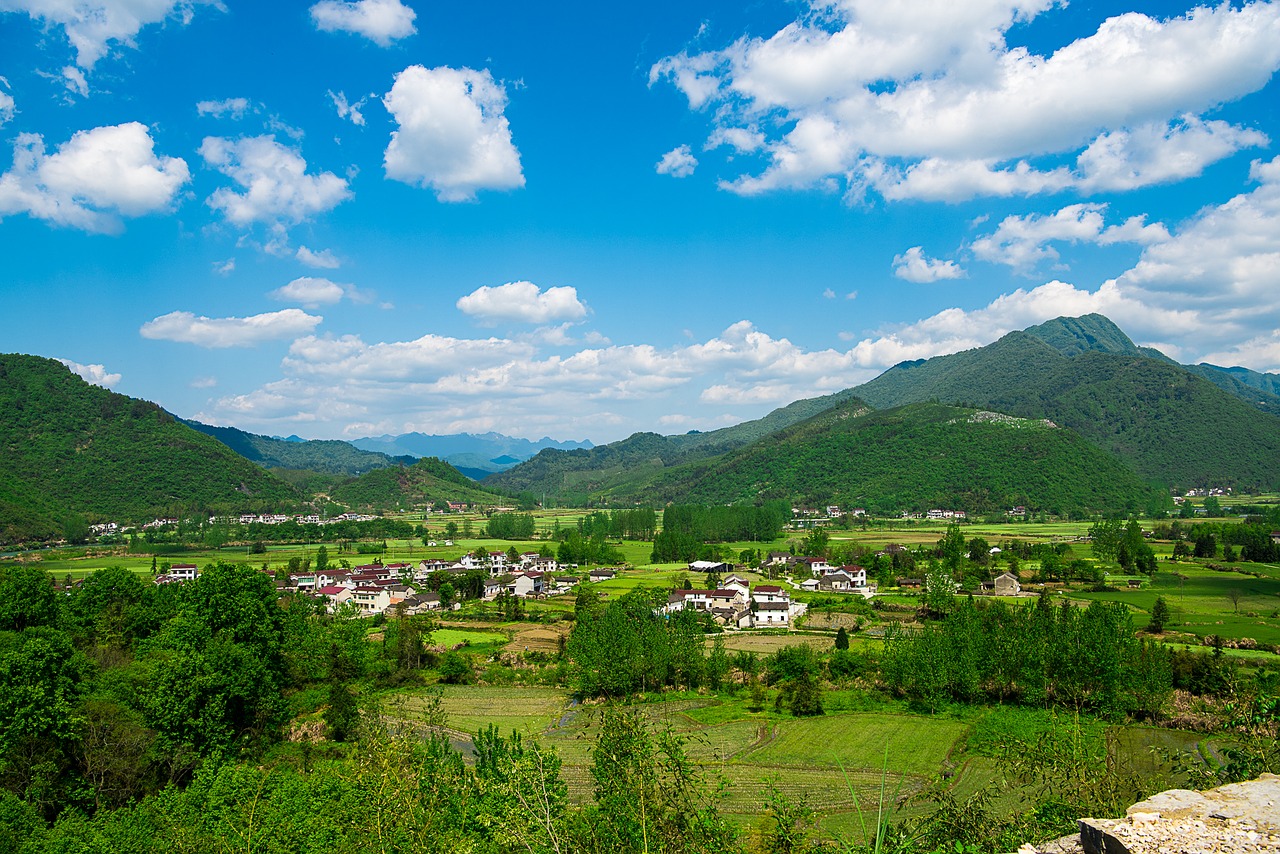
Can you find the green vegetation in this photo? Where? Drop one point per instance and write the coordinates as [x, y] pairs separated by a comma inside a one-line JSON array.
[[329, 456], [74, 449], [424, 484], [1172, 426], [919, 456]]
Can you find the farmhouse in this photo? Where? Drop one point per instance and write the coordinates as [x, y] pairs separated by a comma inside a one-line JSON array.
[[1007, 584]]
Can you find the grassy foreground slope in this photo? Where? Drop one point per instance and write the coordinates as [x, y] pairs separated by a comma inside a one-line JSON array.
[[72, 447], [914, 457]]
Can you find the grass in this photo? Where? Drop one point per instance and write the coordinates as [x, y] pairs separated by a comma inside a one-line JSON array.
[[471, 708], [917, 745], [449, 637], [1201, 604]]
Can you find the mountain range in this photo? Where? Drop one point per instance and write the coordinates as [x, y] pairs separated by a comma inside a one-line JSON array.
[[476, 455], [1069, 416], [1168, 424]]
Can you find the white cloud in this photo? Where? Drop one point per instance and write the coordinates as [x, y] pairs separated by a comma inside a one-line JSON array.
[[225, 268], [380, 21], [233, 108], [7, 106], [679, 162], [221, 332], [75, 80], [275, 181], [93, 179], [203, 382], [349, 111], [522, 302], [310, 292], [924, 100], [96, 374], [453, 137], [828, 293], [1224, 263], [92, 25], [914, 266], [1023, 242], [1159, 154], [324, 259]]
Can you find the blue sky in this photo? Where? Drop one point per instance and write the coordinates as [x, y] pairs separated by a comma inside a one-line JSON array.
[[341, 219]]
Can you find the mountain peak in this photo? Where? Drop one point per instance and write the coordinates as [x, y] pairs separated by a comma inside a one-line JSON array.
[[1089, 333]]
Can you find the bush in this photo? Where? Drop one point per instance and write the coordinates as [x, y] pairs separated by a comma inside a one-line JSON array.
[[454, 669]]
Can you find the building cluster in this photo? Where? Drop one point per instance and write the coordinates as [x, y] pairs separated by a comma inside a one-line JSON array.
[[376, 588], [737, 604]]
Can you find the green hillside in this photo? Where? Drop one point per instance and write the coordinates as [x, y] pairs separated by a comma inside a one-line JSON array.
[[915, 458], [605, 467], [424, 483], [71, 447], [1169, 424], [318, 455]]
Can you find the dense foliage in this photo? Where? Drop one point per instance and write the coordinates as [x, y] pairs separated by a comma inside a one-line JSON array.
[[579, 473], [330, 456], [1086, 659], [74, 448], [687, 527], [1171, 425], [427, 482], [914, 458], [629, 647]]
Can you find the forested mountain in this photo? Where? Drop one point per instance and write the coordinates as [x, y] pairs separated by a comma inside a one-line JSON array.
[[426, 482], [915, 457], [71, 448], [331, 456], [570, 474], [1171, 425]]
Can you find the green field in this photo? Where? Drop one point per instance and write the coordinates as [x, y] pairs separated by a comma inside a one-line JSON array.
[[1201, 603], [834, 762]]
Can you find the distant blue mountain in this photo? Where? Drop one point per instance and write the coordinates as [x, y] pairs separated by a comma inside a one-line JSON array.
[[475, 454]]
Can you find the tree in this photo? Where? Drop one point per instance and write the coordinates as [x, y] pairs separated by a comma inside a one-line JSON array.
[[454, 669], [322, 559], [1159, 616], [1235, 594], [842, 638], [342, 717]]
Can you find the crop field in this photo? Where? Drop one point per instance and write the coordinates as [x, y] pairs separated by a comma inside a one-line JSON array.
[[763, 645], [1205, 602], [450, 637]]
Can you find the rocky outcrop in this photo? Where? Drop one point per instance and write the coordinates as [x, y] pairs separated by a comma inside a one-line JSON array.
[[1242, 818]]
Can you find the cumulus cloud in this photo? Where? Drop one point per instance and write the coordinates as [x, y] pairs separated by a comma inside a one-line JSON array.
[[276, 186], [1224, 263], [1159, 154], [914, 266], [1023, 242], [311, 292], [522, 302], [324, 259], [232, 108], [96, 374], [222, 332], [91, 26], [93, 179], [380, 21], [679, 162], [453, 137], [921, 100]]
